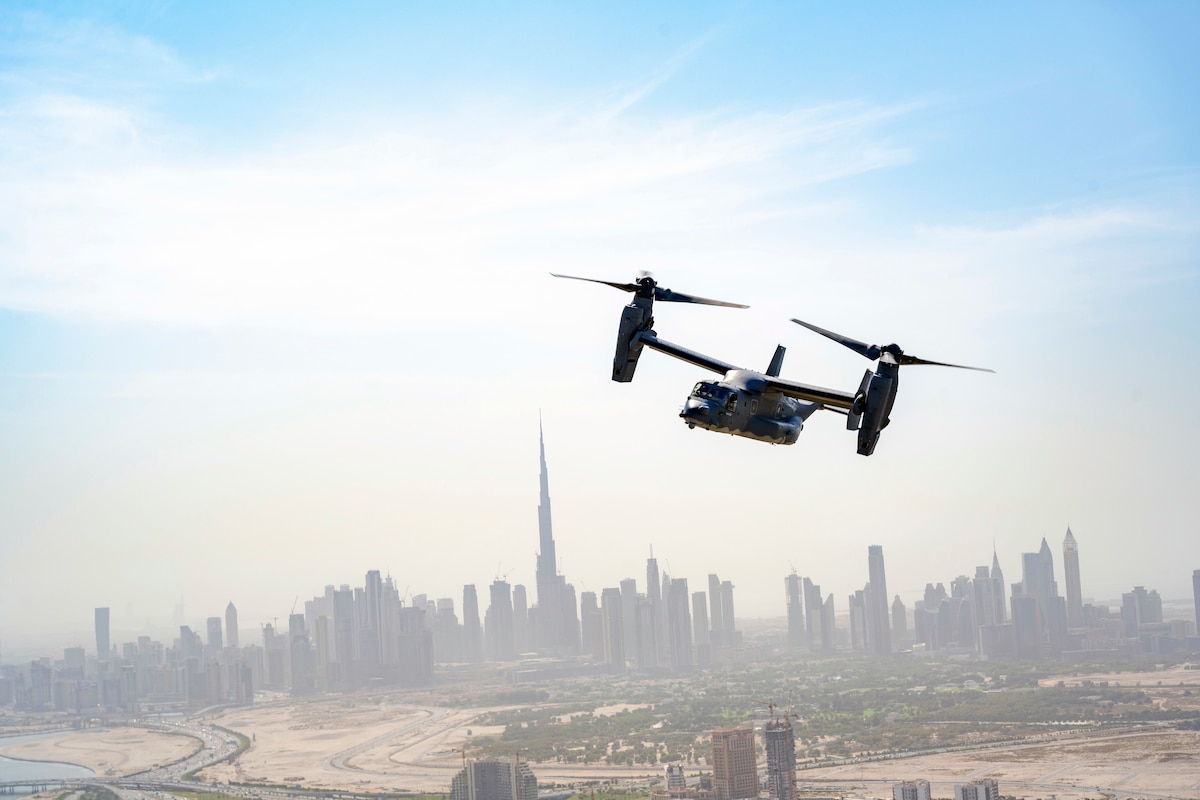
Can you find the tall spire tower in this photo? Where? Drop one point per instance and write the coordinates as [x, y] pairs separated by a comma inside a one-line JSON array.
[[557, 625], [547, 562]]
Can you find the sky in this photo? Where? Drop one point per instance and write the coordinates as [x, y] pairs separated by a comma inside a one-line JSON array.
[[275, 304]]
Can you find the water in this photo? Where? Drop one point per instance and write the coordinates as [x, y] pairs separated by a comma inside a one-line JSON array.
[[16, 770]]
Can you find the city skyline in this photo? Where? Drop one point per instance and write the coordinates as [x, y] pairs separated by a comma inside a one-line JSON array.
[[275, 306]]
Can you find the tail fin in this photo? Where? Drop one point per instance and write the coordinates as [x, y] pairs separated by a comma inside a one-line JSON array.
[[776, 361]]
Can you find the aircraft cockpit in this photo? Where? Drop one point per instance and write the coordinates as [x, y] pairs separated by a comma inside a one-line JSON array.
[[707, 390]]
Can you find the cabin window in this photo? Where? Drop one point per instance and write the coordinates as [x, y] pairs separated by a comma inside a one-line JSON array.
[[754, 406], [731, 402]]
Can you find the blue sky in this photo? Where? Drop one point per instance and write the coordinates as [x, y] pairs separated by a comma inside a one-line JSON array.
[[273, 283]]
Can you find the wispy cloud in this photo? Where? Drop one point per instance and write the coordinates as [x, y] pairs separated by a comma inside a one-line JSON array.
[[339, 228]]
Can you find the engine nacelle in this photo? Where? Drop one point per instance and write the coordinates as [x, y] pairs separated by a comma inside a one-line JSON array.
[[634, 320], [880, 396]]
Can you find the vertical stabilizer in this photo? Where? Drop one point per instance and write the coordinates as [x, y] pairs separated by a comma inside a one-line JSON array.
[[776, 361]]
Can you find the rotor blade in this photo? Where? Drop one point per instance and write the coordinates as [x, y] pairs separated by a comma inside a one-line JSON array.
[[915, 360], [871, 351], [668, 296], [624, 287]]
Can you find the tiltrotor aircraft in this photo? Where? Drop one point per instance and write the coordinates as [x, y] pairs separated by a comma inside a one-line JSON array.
[[759, 405]]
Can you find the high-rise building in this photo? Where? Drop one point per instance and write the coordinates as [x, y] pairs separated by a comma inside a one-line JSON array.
[[501, 637], [781, 759], [911, 790], [828, 627], [813, 605], [231, 625], [679, 625], [520, 603], [472, 630], [655, 594], [557, 628], [1001, 605], [592, 622], [795, 610], [1196, 597], [700, 640], [857, 605], [215, 640], [716, 621], [984, 789], [735, 766], [700, 619], [879, 631], [728, 618], [629, 597], [899, 619], [304, 674], [646, 650], [103, 647], [612, 624], [500, 779], [1071, 573]]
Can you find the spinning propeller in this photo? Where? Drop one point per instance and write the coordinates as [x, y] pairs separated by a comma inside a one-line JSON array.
[[874, 351], [646, 287]]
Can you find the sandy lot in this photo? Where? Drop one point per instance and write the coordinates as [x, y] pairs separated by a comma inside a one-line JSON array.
[[369, 743], [1173, 676], [108, 751], [1165, 764]]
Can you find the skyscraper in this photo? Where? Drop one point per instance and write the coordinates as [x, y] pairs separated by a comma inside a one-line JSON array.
[[781, 759], [879, 631], [472, 630], [612, 624], [716, 621], [629, 597], [795, 610], [520, 618], [591, 621], [231, 625], [679, 625], [1000, 616], [557, 621], [1071, 572], [102, 643], [1196, 597], [899, 619], [501, 635], [655, 594], [215, 640], [735, 766]]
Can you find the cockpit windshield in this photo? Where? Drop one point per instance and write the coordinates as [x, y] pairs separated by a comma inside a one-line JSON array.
[[710, 391]]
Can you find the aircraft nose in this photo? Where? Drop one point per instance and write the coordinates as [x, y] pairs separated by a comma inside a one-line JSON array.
[[697, 410]]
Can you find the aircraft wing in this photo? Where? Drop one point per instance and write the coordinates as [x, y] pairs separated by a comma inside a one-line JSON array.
[[813, 394], [684, 354]]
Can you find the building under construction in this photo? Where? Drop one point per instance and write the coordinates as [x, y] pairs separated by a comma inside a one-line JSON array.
[[781, 758]]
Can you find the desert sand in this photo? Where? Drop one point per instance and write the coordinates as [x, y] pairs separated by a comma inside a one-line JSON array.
[[108, 751], [370, 744], [1184, 675], [1163, 764]]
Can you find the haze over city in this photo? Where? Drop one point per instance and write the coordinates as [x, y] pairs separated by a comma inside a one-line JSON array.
[[275, 310]]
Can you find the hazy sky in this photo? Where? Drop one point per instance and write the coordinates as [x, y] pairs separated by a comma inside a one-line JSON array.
[[275, 310]]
